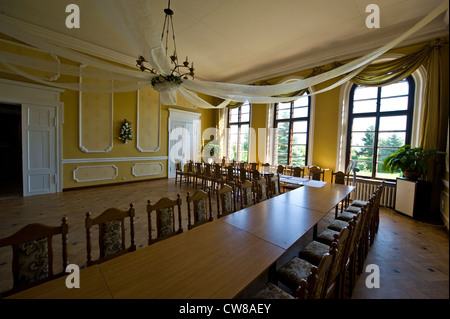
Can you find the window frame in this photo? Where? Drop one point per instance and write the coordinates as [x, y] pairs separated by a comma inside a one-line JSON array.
[[239, 124], [409, 112], [291, 120]]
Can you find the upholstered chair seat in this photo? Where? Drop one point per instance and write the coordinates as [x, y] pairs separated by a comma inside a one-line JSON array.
[[295, 271], [338, 225], [346, 216], [314, 252], [271, 291], [353, 209], [359, 203], [327, 236]]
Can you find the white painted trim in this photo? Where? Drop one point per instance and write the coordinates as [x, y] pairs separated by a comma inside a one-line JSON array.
[[94, 179], [80, 124], [115, 159], [136, 175], [137, 127]]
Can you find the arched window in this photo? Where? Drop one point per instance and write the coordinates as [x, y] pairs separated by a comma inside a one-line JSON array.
[[238, 133], [379, 122], [292, 132]]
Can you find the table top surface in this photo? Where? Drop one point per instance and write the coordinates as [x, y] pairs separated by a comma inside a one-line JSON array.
[[277, 222], [92, 286], [322, 199], [214, 260]]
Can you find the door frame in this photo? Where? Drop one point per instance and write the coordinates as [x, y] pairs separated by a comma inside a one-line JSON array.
[[20, 93], [193, 118]]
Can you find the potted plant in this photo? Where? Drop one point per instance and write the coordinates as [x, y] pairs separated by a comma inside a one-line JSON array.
[[412, 162]]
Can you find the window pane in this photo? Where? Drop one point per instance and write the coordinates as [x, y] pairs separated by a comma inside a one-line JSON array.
[[245, 117], [283, 127], [362, 93], [282, 160], [234, 115], [245, 108], [362, 153], [284, 114], [380, 173], [363, 139], [364, 106], [365, 168], [393, 123], [301, 112], [364, 124], [299, 138], [385, 152], [298, 161], [396, 89], [391, 139], [300, 127], [303, 101], [394, 104]]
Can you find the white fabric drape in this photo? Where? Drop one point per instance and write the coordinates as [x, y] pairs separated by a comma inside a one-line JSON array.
[[133, 21]]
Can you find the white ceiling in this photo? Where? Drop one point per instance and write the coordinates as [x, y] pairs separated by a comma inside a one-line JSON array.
[[243, 41]]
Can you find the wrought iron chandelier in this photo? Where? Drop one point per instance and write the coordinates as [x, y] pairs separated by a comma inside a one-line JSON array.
[[162, 82]]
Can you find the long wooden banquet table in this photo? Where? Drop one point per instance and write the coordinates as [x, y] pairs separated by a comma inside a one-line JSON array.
[[217, 260]]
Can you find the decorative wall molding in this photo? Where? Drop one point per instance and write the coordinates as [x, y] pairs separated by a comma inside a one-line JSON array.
[[139, 148], [80, 121], [139, 169], [112, 160], [92, 173]]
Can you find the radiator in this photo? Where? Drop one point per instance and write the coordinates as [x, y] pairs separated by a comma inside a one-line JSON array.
[[364, 189]]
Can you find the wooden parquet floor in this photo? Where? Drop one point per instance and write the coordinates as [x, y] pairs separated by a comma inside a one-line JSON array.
[[413, 257]]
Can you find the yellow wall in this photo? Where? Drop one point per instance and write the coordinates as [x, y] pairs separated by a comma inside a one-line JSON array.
[[124, 107]]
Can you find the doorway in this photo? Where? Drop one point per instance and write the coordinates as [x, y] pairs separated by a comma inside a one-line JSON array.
[[184, 136], [11, 179]]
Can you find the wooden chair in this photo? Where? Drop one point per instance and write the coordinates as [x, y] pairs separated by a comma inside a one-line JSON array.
[[198, 174], [255, 175], [246, 194], [201, 201], [217, 177], [306, 280], [229, 178], [349, 259], [253, 168], [165, 218], [207, 177], [316, 173], [190, 173], [261, 190], [226, 201], [314, 251], [179, 172], [274, 186], [280, 169], [340, 178], [111, 234], [297, 171], [32, 260], [265, 167]]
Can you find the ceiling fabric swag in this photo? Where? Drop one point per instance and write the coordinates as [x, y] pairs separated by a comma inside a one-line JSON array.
[[392, 71], [132, 20]]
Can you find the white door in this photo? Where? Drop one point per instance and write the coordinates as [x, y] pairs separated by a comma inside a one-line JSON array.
[[181, 143], [39, 149]]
